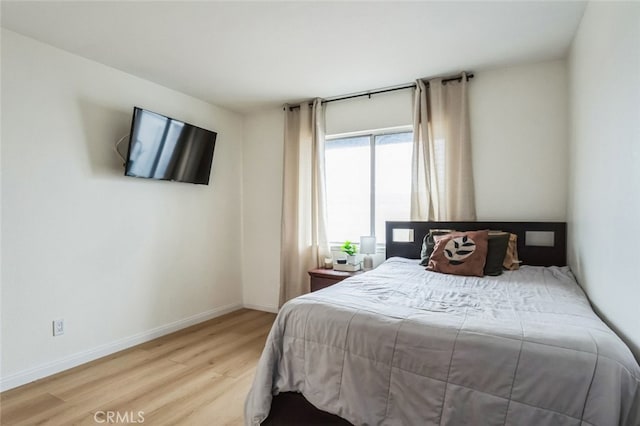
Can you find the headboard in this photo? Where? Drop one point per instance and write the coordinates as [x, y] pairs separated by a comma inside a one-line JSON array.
[[539, 243]]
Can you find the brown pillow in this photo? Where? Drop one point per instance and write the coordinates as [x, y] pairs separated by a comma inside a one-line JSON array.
[[460, 253], [428, 244], [511, 262]]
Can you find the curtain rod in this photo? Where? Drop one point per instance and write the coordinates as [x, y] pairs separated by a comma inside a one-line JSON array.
[[378, 91]]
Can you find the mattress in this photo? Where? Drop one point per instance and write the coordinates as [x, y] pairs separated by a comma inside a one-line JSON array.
[[401, 346]]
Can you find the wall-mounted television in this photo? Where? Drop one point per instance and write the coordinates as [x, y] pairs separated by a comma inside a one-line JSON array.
[[164, 148]]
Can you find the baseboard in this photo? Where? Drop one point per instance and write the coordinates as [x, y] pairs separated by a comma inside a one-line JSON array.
[[53, 367], [260, 308]]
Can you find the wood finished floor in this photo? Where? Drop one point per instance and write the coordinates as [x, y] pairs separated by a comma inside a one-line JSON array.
[[196, 376]]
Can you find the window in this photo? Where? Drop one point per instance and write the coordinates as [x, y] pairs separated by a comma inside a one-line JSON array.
[[368, 182]]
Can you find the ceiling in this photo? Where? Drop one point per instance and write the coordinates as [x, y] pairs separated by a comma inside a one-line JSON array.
[[249, 55]]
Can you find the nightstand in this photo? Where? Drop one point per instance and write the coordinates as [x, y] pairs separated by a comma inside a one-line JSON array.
[[321, 278]]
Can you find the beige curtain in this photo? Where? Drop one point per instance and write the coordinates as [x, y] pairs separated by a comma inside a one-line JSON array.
[[304, 219], [441, 172]]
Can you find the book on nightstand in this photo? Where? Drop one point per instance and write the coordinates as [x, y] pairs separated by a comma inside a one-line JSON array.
[[347, 267]]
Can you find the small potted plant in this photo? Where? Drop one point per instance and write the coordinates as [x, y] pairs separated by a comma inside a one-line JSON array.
[[350, 250]]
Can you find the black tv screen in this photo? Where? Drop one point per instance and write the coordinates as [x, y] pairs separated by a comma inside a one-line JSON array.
[[168, 149]]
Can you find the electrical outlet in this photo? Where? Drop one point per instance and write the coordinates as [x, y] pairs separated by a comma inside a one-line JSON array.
[[58, 327]]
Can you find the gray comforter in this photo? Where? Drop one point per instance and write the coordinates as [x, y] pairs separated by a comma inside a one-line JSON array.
[[403, 346]]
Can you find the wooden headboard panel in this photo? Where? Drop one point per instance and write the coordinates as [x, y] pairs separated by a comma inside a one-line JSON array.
[[539, 243]]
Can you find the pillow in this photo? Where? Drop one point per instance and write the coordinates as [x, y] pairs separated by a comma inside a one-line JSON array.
[[496, 252], [460, 253], [511, 262], [428, 243]]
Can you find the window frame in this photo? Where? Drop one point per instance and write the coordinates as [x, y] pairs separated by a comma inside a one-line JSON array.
[[372, 134]]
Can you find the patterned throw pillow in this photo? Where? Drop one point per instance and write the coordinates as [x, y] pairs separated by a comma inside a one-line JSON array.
[[460, 253]]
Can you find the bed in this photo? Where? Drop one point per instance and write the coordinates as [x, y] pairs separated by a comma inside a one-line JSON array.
[[400, 345]]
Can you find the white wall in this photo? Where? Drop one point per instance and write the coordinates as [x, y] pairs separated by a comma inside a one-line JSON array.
[[519, 135], [604, 180], [119, 258], [519, 138], [391, 109], [262, 208]]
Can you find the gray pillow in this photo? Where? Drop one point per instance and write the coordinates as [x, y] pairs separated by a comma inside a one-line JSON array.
[[428, 244]]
